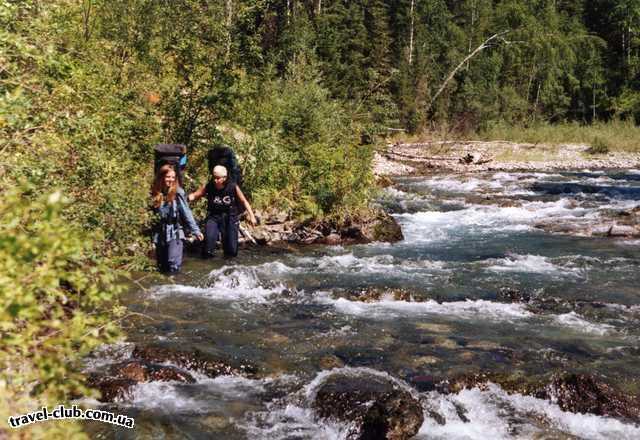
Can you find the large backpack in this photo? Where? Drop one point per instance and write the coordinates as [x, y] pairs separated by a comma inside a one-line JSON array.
[[224, 155], [173, 154]]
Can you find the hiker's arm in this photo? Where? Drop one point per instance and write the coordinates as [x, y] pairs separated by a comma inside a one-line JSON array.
[[245, 202], [187, 215], [196, 194]]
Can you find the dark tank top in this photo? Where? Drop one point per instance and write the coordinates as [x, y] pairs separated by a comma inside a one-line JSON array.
[[221, 201]]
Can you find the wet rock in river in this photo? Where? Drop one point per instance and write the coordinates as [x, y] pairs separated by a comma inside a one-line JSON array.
[[332, 239], [623, 231], [577, 228], [424, 361], [116, 383], [145, 372], [386, 228], [376, 226], [434, 328], [424, 382], [512, 294], [329, 362], [616, 224], [112, 389], [376, 407], [584, 393], [192, 360], [578, 393], [374, 294]]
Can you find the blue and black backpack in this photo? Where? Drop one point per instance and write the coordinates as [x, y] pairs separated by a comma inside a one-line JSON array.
[[173, 154], [224, 155]]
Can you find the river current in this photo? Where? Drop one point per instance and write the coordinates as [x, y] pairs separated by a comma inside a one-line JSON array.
[[468, 239]]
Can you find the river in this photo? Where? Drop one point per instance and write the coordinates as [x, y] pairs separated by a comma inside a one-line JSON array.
[[468, 240]]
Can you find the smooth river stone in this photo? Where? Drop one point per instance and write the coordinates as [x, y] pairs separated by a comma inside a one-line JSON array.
[[434, 328], [484, 345], [275, 338], [446, 343], [423, 361]]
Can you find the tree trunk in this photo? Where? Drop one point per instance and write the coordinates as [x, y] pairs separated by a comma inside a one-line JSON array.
[[229, 21], [288, 11], [476, 51], [624, 48], [594, 103], [531, 75], [473, 22], [411, 35], [629, 47], [86, 19]]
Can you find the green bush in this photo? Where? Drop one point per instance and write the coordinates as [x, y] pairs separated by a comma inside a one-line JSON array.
[[598, 146], [56, 304], [304, 153]]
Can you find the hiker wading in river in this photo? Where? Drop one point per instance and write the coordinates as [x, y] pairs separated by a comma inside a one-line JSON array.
[[223, 196], [171, 210]]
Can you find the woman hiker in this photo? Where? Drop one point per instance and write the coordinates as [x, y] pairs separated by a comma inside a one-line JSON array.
[[171, 208], [222, 212]]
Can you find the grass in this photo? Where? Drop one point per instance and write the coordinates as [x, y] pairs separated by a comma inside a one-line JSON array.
[[537, 154], [543, 142], [615, 135]]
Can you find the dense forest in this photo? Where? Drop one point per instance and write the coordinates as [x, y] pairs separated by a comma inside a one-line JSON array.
[[303, 91]]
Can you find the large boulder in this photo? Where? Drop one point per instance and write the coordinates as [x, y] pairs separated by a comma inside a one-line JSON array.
[[386, 228], [375, 406], [379, 226]]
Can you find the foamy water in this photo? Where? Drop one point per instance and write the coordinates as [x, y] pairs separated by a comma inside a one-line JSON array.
[[466, 239], [388, 308], [496, 414], [532, 264]]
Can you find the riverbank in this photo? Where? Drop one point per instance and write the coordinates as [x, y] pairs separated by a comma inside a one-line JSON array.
[[402, 159]]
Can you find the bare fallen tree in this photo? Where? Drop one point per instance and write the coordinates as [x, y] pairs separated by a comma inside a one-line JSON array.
[[487, 43]]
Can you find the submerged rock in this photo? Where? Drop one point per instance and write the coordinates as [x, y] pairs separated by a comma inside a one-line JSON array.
[[617, 225], [117, 382], [375, 407], [374, 294], [192, 360], [148, 364], [582, 393], [141, 371], [511, 294], [112, 389], [578, 393]]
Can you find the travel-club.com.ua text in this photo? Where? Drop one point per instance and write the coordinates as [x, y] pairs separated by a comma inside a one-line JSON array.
[[60, 413]]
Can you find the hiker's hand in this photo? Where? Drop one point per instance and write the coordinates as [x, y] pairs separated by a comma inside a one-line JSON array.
[[190, 197], [200, 237], [252, 220]]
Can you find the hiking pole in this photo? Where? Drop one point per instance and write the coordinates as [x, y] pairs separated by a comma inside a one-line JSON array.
[[247, 235]]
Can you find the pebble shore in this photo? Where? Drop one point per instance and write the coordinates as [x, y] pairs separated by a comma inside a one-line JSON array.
[[478, 156]]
